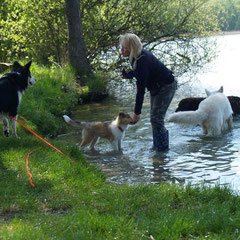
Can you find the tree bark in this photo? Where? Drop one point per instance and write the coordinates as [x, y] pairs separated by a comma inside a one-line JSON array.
[[76, 46]]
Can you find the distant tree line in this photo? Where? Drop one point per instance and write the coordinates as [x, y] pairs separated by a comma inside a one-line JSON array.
[[38, 29], [228, 12]]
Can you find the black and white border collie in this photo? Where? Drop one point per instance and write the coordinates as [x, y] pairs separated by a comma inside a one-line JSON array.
[[12, 86]]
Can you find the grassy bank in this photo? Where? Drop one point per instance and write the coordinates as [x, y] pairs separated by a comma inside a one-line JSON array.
[[54, 94], [76, 202]]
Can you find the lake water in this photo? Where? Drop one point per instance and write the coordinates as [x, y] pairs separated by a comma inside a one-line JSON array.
[[192, 157]]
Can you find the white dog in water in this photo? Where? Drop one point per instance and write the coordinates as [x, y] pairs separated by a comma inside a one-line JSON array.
[[214, 114]]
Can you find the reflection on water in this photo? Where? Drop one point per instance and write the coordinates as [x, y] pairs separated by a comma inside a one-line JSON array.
[[191, 158]]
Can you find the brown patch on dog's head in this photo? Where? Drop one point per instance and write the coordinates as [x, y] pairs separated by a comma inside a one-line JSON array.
[[124, 118]]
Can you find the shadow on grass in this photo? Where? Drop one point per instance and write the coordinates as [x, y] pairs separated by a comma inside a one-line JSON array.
[[17, 195]]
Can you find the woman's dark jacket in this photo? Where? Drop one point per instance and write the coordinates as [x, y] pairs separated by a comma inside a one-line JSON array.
[[151, 74]]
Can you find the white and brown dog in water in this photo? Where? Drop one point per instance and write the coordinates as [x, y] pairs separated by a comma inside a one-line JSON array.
[[113, 131]]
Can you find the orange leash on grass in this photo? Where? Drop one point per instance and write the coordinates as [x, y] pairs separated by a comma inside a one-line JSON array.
[[42, 139], [31, 131], [28, 172], [23, 118]]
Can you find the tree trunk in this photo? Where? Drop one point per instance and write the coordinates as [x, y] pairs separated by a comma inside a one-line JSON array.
[[76, 46]]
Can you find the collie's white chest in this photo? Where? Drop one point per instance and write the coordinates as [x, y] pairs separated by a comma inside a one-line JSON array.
[[118, 134], [19, 97]]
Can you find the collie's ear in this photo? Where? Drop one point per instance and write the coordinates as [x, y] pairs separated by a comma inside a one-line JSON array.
[[121, 114], [220, 89], [28, 65], [16, 65], [207, 92]]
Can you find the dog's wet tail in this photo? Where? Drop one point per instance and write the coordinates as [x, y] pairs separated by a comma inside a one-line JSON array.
[[72, 122], [188, 117]]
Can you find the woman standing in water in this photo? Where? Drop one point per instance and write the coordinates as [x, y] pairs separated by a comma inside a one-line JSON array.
[[153, 75]]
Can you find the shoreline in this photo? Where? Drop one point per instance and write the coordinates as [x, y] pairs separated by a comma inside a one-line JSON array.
[[223, 33]]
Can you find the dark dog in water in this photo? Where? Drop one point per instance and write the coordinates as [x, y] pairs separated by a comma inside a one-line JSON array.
[[191, 104], [12, 86]]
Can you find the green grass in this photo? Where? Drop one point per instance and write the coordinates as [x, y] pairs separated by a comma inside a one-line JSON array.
[[76, 202], [54, 93]]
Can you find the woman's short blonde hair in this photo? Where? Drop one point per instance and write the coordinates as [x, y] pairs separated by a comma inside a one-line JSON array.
[[133, 43]]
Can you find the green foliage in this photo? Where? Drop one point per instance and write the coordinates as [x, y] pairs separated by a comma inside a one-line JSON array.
[[98, 83], [166, 27], [32, 28], [228, 14], [54, 92], [96, 88], [38, 29]]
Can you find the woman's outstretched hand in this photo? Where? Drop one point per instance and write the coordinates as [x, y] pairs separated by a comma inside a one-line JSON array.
[[136, 118]]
